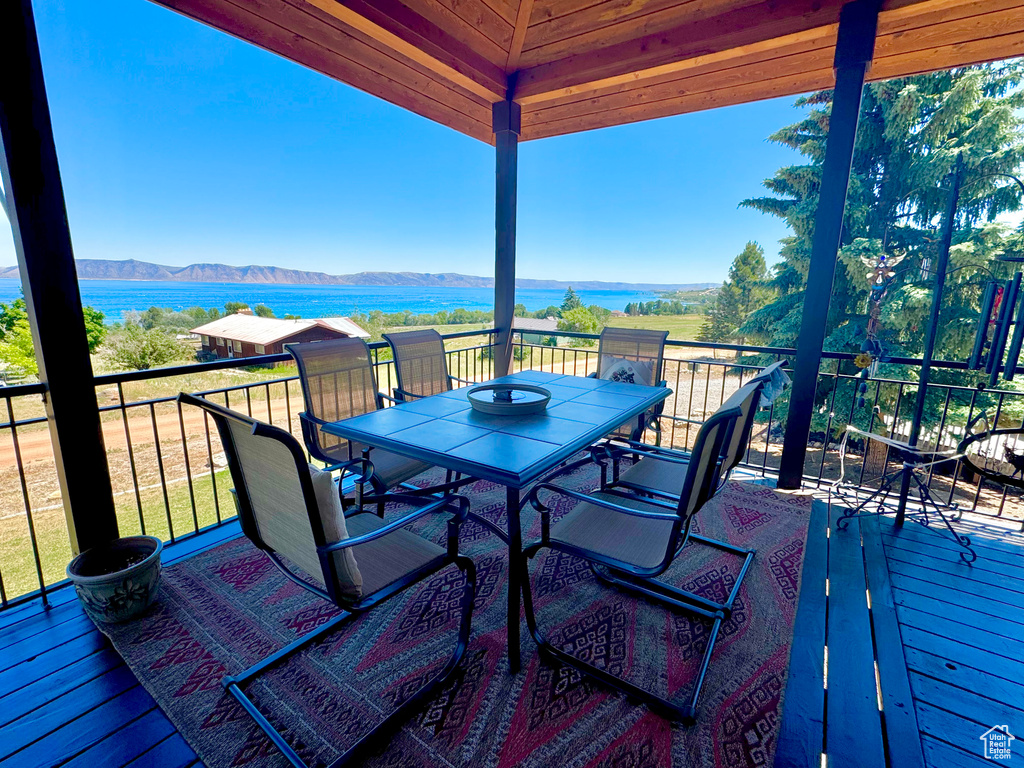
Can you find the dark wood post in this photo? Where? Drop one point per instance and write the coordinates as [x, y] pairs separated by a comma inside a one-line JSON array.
[[854, 48], [42, 239], [506, 124]]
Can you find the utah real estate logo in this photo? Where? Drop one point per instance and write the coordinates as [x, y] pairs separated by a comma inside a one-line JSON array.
[[997, 742]]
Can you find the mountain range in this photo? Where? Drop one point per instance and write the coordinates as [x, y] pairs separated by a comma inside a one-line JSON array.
[[131, 269]]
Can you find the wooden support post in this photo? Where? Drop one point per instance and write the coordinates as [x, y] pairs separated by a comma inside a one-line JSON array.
[[506, 124], [855, 46], [42, 239]]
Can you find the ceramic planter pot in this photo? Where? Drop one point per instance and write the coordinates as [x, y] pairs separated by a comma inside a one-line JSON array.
[[119, 580]]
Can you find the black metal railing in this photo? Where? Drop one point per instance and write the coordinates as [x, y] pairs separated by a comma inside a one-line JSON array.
[[170, 480]]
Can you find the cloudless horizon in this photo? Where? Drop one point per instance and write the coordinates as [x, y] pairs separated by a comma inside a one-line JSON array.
[[180, 144]]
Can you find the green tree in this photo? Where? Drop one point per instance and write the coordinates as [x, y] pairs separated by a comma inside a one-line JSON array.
[[744, 292], [95, 330], [262, 310], [911, 131], [578, 320], [231, 307], [134, 347], [519, 310], [544, 314], [570, 302], [17, 350]]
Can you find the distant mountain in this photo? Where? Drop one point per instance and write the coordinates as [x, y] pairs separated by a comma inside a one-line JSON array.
[[131, 269]]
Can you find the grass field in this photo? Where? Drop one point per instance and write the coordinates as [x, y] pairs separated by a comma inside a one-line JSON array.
[[679, 327]]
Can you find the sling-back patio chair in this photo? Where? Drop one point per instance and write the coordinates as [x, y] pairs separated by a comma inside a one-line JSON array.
[[629, 540], [654, 471], [634, 356], [421, 364], [289, 509], [338, 382]]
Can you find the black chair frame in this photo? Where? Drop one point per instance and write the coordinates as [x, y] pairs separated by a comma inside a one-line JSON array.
[[640, 580], [310, 424], [404, 395], [352, 608]]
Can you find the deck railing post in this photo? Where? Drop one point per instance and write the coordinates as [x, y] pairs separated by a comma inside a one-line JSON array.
[[42, 239], [855, 46], [506, 125]]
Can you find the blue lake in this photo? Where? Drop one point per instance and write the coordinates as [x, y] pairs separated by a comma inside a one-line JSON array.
[[114, 297]]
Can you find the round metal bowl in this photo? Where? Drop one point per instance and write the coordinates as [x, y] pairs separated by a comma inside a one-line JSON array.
[[509, 399]]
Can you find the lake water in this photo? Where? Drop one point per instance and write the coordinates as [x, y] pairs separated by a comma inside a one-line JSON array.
[[114, 297]]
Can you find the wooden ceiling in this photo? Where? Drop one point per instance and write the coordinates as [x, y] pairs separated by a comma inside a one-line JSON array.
[[575, 65]]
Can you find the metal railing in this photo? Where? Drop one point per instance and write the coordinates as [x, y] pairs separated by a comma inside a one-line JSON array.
[[170, 478]]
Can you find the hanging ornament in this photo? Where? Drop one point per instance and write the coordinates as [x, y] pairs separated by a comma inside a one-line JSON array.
[[879, 279]]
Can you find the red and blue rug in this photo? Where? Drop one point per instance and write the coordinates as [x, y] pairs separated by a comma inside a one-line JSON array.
[[223, 610]]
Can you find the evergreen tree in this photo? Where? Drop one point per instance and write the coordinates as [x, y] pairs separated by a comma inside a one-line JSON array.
[[911, 131], [744, 292], [570, 302]]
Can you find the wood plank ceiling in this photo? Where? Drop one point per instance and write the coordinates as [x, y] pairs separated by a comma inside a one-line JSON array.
[[576, 65]]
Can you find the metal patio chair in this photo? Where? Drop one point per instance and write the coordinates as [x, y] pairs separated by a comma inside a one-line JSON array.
[[655, 472], [629, 540], [338, 382], [282, 514], [638, 345], [421, 364]]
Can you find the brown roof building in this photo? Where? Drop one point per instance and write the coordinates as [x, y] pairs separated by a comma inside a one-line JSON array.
[[246, 335]]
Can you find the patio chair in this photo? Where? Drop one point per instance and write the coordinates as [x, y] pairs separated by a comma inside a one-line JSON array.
[[356, 562], [629, 540], [654, 471], [421, 364], [636, 356], [338, 382]]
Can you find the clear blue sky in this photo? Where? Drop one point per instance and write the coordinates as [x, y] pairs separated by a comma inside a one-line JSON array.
[[181, 144]]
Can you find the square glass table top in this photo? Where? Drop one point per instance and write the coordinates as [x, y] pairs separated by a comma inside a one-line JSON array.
[[445, 431]]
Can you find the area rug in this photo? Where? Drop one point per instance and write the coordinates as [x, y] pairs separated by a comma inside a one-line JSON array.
[[223, 610]]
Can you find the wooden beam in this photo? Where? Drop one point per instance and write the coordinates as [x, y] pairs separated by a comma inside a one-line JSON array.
[[392, 24], [818, 62], [471, 22], [515, 51], [727, 31], [765, 50], [753, 91], [298, 36], [46, 261]]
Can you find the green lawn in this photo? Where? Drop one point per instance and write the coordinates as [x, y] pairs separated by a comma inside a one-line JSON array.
[[679, 327], [16, 562]]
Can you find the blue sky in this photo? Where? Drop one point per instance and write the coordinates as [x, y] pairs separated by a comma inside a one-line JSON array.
[[180, 144]]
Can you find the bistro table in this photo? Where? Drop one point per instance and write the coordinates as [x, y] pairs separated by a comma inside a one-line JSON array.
[[513, 451]]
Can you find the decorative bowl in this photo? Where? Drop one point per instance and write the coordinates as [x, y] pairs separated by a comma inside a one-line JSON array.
[[508, 399], [119, 580]]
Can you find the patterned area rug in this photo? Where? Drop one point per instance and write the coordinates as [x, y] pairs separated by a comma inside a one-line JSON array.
[[223, 610]]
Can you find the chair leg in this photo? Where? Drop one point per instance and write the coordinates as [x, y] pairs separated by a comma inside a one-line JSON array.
[[233, 684], [681, 598], [684, 713]]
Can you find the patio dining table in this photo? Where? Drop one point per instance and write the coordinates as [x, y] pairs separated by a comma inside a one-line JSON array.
[[514, 451]]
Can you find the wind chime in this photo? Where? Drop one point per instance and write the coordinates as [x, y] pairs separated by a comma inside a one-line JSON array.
[[999, 314], [879, 279]]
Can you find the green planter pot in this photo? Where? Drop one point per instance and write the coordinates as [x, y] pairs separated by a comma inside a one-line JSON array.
[[119, 580]]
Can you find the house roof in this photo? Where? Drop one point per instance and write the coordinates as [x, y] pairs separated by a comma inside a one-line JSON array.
[[574, 65], [535, 325], [270, 330]]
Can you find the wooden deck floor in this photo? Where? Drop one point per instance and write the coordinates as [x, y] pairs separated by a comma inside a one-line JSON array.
[[923, 655]]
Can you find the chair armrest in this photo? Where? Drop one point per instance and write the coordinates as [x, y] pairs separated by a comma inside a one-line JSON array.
[[381, 397], [600, 503], [680, 418], [461, 381], [312, 419], [404, 396], [592, 375], [365, 465], [434, 505], [616, 452]]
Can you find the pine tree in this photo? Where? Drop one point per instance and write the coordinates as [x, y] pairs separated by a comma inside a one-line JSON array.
[[744, 292], [570, 302], [911, 131]]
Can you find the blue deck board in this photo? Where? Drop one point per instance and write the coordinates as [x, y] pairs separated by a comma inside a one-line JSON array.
[[76, 704]]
